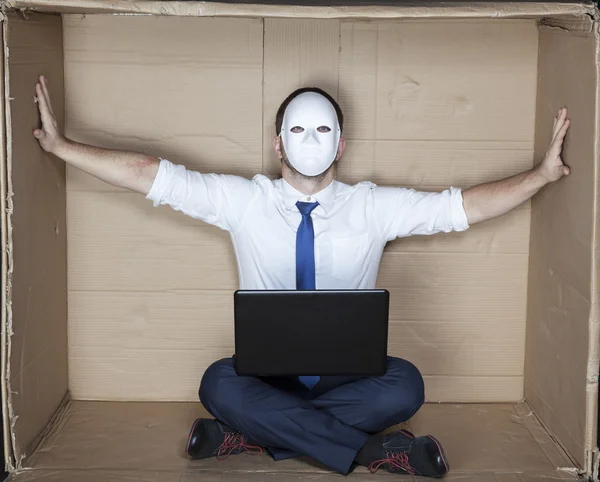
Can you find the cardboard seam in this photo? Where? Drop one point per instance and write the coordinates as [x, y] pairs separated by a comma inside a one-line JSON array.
[[547, 429], [54, 425], [529, 207], [520, 410], [14, 462]]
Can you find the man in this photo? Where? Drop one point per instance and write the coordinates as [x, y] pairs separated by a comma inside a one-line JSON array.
[[307, 231]]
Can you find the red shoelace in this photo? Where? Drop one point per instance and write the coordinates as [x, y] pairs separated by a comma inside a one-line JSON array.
[[394, 460], [234, 441]]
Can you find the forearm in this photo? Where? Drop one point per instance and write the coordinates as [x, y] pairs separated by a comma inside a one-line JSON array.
[[130, 170], [493, 199]]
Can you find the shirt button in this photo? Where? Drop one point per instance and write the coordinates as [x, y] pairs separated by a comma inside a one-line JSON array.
[[309, 199]]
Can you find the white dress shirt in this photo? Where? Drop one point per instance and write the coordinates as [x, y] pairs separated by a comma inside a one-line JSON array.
[[352, 224]]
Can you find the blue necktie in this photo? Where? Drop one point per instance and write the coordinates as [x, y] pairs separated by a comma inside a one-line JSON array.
[[305, 262]]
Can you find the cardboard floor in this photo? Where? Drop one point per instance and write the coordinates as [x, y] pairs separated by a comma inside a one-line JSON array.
[[126, 441]]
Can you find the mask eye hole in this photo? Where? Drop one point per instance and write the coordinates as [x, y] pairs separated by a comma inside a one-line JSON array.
[[297, 129], [323, 129]]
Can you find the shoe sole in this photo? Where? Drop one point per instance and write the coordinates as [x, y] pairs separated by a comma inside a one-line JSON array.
[[442, 453]]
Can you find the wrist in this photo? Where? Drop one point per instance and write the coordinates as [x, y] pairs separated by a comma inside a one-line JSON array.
[[539, 176], [61, 147]]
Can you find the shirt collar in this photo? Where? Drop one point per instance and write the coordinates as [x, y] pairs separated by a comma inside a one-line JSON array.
[[291, 195]]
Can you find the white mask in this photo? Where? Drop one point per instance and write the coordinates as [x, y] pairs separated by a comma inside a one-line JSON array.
[[310, 133]]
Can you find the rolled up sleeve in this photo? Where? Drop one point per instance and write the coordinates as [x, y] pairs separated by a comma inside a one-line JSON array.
[[213, 198], [402, 212], [162, 182]]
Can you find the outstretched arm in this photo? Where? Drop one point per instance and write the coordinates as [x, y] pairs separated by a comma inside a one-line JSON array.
[[493, 199], [130, 170]]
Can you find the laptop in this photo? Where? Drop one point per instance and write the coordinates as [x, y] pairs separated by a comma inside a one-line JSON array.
[[317, 332]]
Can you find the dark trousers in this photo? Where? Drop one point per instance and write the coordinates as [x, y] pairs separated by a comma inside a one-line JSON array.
[[329, 423]]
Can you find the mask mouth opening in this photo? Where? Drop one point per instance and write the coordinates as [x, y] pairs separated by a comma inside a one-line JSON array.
[[311, 149]]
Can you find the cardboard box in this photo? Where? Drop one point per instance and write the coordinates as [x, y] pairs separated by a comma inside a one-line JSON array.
[[113, 309]]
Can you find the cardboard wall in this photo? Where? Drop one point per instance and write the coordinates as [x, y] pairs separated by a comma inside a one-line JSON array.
[[431, 105], [37, 365], [149, 289], [427, 105], [562, 233]]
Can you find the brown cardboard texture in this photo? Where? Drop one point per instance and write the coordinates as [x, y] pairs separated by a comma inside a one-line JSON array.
[[558, 332], [36, 361], [114, 309], [340, 9]]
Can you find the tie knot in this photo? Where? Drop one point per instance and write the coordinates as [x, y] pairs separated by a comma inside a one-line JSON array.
[[306, 208]]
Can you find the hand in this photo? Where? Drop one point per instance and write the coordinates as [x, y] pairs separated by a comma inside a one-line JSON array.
[[49, 135], [552, 167]]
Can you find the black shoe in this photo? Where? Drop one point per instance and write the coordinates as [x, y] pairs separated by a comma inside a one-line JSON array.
[[402, 453], [406, 433], [210, 438]]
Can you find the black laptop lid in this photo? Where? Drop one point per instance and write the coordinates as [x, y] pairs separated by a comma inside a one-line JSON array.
[[319, 332]]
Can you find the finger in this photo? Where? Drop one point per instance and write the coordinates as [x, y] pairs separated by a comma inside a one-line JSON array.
[[44, 84], [566, 170], [561, 130], [39, 134], [47, 95], [43, 106], [41, 98], [558, 121], [557, 144]]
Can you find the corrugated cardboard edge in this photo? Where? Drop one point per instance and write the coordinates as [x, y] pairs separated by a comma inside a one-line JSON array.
[[7, 266], [591, 433], [6, 207], [212, 9]]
